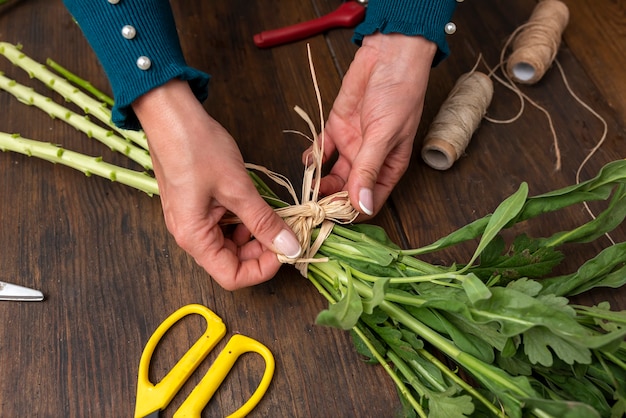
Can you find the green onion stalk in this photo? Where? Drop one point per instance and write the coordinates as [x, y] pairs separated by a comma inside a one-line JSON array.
[[495, 336]]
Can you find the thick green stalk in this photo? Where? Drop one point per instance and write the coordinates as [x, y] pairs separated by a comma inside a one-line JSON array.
[[85, 164], [28, 96], [68, 91]]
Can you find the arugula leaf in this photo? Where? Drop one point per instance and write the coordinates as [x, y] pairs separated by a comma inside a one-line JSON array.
[[506, 211], [563, 409], [605, 269], [361, 347], [392, 337], [525, 258], [516, 365], [536, 343], [375, 233], [606, 221], [378, 295], [567, 386], [486, 332], [444, 405], [346, 312], [468, 342], [474, 288]]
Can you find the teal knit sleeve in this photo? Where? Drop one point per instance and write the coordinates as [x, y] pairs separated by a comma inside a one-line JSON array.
[[150, 33], [425, 18]]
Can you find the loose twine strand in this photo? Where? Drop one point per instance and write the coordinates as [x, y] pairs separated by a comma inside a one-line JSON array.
[[534, 49], [310, 211]]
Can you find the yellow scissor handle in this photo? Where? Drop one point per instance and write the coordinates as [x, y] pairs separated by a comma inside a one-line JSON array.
[[151, 397], [200, 396]]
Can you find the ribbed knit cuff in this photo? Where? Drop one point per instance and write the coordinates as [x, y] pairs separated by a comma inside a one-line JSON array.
[[425, 18], [156, 38]]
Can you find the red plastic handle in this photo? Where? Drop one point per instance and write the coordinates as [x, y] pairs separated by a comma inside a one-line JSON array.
[[347, 15]]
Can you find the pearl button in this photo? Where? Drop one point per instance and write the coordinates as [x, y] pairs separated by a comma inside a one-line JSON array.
[[450, 28], [114, 1], [459, 1], [143, 63], [129, 32]]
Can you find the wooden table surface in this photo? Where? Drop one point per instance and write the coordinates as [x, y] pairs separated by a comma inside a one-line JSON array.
[[111, 273]]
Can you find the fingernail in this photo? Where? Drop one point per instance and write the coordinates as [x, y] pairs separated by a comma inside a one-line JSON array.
[[366, 201], [287, 244]]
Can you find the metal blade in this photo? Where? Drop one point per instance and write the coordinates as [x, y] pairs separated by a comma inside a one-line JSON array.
[[14, 292]]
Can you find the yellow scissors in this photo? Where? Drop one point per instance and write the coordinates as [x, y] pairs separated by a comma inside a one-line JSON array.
[[153, 398]]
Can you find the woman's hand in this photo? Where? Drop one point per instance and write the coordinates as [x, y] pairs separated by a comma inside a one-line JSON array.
[[375, 117], [201, 175]]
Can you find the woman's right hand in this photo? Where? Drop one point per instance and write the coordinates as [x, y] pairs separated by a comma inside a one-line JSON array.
[[201, 175]]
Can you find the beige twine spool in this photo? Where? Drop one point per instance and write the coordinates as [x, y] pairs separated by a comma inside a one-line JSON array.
[[457, 120], [537, 42]]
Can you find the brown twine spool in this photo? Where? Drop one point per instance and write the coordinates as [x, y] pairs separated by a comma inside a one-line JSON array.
[[537, 42], [459, 117]]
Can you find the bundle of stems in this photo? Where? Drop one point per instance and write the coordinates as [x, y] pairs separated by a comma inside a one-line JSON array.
[[501, 317]]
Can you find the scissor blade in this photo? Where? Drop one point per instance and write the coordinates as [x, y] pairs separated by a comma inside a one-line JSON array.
[[17, 293]]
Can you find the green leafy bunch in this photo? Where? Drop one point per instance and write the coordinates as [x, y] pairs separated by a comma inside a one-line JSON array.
[[501, 318]]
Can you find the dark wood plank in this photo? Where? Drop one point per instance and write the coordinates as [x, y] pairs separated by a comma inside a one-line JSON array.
[[594, 24]]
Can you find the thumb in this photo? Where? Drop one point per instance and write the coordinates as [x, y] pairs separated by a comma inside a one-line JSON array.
[[268, 228], [363, 177]]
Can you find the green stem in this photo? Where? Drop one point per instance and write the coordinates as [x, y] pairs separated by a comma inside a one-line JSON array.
[[462, 383], [407, 372], [85, 164], [68, 91], [80, 82], [433, 278], [586, 312], [489, 376], [394, 376], [613, 358], [399, 384], [28, 96], [494, 379]]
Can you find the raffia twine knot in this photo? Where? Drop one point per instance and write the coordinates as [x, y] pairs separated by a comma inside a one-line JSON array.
[[304, 218]]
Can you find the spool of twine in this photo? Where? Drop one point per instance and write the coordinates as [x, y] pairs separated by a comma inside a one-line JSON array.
[[457, 120], [537, 42]]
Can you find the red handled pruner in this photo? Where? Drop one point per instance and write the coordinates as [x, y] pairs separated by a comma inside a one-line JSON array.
[[348, 15]]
